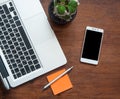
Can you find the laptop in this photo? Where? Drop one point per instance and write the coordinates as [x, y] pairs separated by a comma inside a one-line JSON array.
[[28, 45]]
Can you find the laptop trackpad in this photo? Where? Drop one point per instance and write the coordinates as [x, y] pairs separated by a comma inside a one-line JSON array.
[[38, 29]]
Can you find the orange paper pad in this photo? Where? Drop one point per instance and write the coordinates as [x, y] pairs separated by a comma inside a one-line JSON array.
[[61, 84]]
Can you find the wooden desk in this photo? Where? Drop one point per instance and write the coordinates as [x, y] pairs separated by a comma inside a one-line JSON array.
[[90, 82]]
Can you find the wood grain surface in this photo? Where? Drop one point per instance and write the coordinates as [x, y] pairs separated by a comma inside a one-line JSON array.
[[89, 82]]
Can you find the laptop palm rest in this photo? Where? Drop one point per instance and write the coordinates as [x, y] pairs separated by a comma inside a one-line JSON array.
[[38, 29]]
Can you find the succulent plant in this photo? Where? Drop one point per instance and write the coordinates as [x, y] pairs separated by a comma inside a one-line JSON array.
[[64, 9]]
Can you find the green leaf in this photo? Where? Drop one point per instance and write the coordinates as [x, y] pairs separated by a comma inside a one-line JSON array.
[[73, 4], [71, 9], [67, 17], [61, 9]]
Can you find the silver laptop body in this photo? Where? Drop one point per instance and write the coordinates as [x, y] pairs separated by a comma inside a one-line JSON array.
[[28, 45]]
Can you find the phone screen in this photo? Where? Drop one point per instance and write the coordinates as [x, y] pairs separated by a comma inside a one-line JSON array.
[[92, 45]]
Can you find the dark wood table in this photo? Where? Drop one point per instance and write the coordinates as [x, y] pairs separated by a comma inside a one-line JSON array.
[[89, 82]]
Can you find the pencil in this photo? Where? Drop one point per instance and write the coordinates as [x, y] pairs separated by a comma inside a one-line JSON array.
[[58, 77]]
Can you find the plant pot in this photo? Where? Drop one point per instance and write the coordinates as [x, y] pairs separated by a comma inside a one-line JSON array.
[[55, 18]]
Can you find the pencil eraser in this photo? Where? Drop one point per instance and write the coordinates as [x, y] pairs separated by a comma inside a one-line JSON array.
[[61, 84]]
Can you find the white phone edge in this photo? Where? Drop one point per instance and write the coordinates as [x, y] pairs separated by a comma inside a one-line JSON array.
[[90, 61]]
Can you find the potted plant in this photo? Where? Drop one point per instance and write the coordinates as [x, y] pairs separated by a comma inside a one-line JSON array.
[[63, 11]]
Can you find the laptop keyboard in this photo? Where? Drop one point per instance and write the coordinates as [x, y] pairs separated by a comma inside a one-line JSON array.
[[14, 42]]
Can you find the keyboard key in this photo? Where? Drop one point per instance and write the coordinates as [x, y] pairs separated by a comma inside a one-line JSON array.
[[15, 18], [31, 52], [20, 65], [3, 28], [4, 52], [14, 39], [16, 56], [9, 16], [2, 47], [22, 57], [4, 42], [5, 20], [15, 76], [27, 69], [6, 46], [20, 53], [24, 49], [8, 51], [9, 42], [11, 9], [14, 13], [12, 71], [15, 30], [3, 16], [7, 38], [12, 47], [16, 70], [10, 4], [12, 34], [21, 44], [1, 11], [24, 62], [6, 33], [19, 75], [18, 23], [35, 61], [25, 53], [37, 66], [17, 35], [18, 48], [9, 30], [13, 25], [11, 21], [2, 37], [28, 58], [1, 24], [1, 33], [19, 39], [30, 62], [7, 25], [18, 61], [14, 65], [12, 61], [6, 9], [24, 37], [10, 56], [6, 56], [32, 68], [8, 61], [10, 66], [14, 51], [23, 71], [0, 19], [16, 43]]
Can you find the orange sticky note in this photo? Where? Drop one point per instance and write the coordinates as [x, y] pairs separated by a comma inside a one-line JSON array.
[[61, 84]]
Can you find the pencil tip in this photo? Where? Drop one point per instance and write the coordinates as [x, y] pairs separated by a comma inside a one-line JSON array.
[[72, 67]]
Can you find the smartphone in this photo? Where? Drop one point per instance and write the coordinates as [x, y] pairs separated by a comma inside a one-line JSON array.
[[92, 45]]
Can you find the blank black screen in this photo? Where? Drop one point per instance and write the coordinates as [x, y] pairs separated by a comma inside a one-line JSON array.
[[92, 45]]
